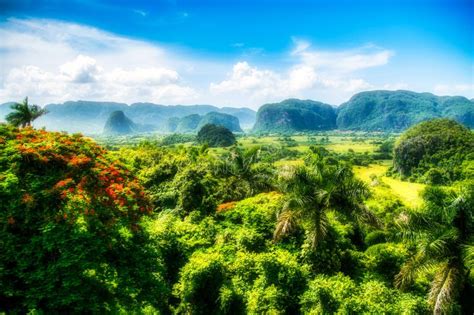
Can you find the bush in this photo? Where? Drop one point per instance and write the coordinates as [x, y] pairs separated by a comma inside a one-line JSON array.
[[200, 283], [385, 259]]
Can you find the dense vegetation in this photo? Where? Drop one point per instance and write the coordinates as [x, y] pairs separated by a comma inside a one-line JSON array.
[[388, 111], [398, 110], [295, 115], [215, 136], [279, 225], [70, 235], [439, 151]]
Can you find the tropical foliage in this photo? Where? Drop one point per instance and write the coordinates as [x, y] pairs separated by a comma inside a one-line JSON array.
[[436, 152], [266, 226], [71, 236], [443, 235], [24, 114]]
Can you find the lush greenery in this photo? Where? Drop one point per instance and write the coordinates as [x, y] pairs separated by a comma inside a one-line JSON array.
[[398, 110], [295, 115], [215, 136], [387, 111], [70, 235], [23, 114], [304, 224], [437, 152]]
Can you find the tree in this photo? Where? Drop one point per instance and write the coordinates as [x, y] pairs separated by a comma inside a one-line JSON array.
[[243, 175], [312, 190], [24, 114], [70, 230], [443, 236], [441, 143], [215, 136]]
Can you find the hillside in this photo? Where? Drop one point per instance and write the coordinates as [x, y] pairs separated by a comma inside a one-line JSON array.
[[437, 151], [193, 123], [295, 115], [187, 124], [229, 121], [89, 117], [119, 124], [398, 110]]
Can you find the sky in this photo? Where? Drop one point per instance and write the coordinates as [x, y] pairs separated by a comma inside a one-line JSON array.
[[232, 53]]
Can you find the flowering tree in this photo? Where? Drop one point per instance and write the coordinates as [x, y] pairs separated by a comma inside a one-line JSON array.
[[69, 227]]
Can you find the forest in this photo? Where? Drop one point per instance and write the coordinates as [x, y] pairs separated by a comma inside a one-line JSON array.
[[304, 223]]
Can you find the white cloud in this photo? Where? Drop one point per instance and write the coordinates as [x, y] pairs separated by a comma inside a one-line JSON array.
[[246, 78], [455, 89], [333, 75], [83, 69], [53, 61], [341, 61]]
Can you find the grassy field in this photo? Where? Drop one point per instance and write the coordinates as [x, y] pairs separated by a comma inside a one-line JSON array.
[[408, 193], [337, 143]]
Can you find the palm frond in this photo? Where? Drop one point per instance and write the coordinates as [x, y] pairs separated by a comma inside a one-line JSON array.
[[410, 269], [364, 215], [439, 242], [468, 256], [444, 288], [286, 223], [319, 228]]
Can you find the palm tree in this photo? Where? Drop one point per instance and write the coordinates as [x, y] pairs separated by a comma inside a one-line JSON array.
[[241, 167], [23, 114], [311, 191], [443, 235]]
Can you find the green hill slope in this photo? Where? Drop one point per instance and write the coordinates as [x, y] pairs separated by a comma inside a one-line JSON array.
[[398, 110], [295, 115]]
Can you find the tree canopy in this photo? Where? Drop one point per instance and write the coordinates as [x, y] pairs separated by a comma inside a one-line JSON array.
[[435, 151], [70, 228]]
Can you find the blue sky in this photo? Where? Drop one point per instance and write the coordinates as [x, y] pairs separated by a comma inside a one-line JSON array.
[[238, 53]]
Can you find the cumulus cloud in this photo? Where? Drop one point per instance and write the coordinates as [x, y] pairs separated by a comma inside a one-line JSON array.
[[83, 69], [312, 74], [53, 61]]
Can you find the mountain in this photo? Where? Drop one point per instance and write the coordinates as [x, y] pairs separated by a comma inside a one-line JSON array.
[[398, 110], [89, 117], [220, 119], [188, 124], [80, 116], [119, 124], [246, 116], [5, 110], [295, 115], [193, 123]]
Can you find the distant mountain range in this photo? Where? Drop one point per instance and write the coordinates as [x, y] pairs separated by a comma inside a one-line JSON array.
[[398, 110], [388, 111], [391, 111], [90, 117]]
